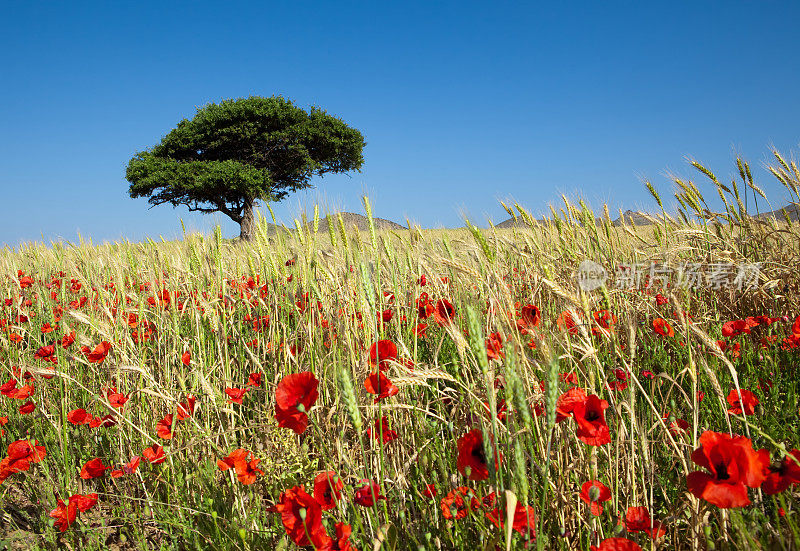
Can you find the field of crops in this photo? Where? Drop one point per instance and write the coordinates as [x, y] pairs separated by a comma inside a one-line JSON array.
[[408, 389]]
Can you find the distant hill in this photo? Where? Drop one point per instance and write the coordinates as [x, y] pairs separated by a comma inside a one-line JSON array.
[[359, 220], [791, 209], [634, 218]]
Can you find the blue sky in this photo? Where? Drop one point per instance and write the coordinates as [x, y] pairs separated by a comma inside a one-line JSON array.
[[461, 103]]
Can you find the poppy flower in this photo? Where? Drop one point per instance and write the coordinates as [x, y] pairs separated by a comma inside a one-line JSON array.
[[68, 339], [342, 540], [784, 475], [605, 319], [235, 395], [471, 459], [115, 398], [164, 427], [524, 521], [106, 421], [301, 516], [186, 358], [254, 379], [531, 318], [294, 396], [155, 454], [616, 544], [246, 467], [98, 354], [382, 431], [663, 328], [457, 504], [381, 352], [367, 494], [590, 417], [378, 383], [66, 514], [27, 408], [568, 321], [328, 489], [595, 493], [568, 402], [637, 519], [186, 408], [430, 490], [129, 468], [444, 312], [733, 467], [93, 468], [45, 352], [747, 403], [494, 344], [3, 421], [20, 455]]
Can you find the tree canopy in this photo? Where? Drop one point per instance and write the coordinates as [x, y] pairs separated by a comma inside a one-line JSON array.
[[232, 154]]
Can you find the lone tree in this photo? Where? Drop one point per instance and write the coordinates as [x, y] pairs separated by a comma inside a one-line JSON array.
[[232, 154]]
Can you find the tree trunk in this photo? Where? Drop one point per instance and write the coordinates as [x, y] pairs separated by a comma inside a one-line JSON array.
[[248, 223]]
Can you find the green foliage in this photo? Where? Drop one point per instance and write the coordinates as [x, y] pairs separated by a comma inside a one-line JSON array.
[[238, 151]]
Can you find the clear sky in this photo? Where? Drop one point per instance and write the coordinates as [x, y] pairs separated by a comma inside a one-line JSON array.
[[461, 103]]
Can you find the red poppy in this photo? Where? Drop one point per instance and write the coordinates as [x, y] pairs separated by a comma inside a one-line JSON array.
[[67, 340], [637, 519], [328, 489], [378, 383], [590, 417], [93, 468], [605, 319], [342, 540], [568, 401], [107, 421], [568, 321], [186, 358], [595, 493], [294, 396], [368, 494], [235, 395], [616, 544], [531, 317], [254, 379], [164, 427], [421, 330], [494, 344], [381, 352], [115, 398], [458, 503], [302, 518], [784, 475], [663, 328], [748, 402], [3, 421], [129, 468], [734, 466], [245, 465], [471, 459], [186, 408], [98, 354], [444, 312], [524, 520], [430, 490], [155, 454], [27, 408], [382, 431], [20, 455], [65, 514], [45, 352]]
